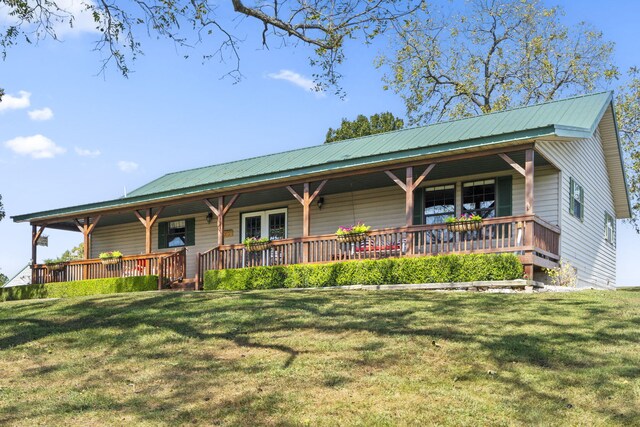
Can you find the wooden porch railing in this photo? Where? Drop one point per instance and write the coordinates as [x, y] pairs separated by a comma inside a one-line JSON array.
[[172, 267], [167, 265], [526, 235]]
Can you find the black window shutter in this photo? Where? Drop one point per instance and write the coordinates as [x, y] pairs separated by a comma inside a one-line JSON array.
[[505, 195], [191, 231], [418, 206], [163, 228]]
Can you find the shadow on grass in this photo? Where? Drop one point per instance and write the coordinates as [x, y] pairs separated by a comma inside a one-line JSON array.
[[554, 334]]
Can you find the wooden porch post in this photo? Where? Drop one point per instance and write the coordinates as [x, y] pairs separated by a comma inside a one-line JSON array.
[[528, 173], [528, 182], [35, 235], [409, 186], [529, 207], [306, 199], [86, 228], [220, 213], [148, 221], [408, 203]]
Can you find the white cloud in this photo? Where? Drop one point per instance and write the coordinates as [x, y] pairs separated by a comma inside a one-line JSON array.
[[84, 152], [10, 102], [126, 166], [41, 115], [36, 146], [83, 21], [297, 79]]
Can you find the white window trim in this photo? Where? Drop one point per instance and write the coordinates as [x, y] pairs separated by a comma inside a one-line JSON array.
[[453, 186], [609, 228], [264, 222], [578, 191]]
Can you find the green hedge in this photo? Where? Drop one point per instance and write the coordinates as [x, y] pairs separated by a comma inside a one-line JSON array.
[[80, 288], [433, 269]]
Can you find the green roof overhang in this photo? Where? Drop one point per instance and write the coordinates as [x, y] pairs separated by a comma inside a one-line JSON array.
[[477, 145]]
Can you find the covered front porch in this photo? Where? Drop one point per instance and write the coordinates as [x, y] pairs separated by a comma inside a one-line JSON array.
[[300, 217]]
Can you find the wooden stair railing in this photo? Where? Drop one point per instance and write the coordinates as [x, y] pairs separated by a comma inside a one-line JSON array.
[[172, 267]]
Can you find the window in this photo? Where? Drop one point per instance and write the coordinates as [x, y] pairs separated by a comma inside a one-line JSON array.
[[177, 233], [609, 228], [479, 198], [439, 203], [271, 224], [576, 199]]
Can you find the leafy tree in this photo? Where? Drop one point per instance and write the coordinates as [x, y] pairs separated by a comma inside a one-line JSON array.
[[322, 24], [362, 126], [3, 279], [77, 252], [495, 55], [628, 114], [2, 214]]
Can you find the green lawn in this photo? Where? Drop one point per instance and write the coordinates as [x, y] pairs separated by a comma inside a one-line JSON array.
[[322, 358]]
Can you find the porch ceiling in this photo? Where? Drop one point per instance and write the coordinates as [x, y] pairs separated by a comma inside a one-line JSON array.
[[442, 171]]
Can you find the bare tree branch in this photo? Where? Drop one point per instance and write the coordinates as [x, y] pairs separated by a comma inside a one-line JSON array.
[[323, 25]]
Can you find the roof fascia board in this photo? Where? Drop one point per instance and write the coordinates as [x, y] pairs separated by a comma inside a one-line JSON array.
[[620, 155], [573, 132], [602, 111]]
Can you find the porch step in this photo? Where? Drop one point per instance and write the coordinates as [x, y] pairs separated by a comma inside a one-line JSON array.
[[184, 285]]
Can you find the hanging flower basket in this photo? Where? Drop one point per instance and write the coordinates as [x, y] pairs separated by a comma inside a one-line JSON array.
[[258, 246], [254, 244], [352, 237], [353, 234], [464, 226], [59, 266], [111, 261], [110, 258], [466, 222]]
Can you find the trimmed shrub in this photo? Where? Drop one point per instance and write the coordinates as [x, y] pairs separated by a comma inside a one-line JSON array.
[[433, 269], [80, 288]]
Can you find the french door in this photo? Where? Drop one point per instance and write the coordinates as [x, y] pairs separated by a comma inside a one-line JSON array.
[[271, 224]]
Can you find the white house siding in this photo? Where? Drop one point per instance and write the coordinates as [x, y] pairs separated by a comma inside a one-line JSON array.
[[130, 238], [582, 243], [545, 194], [380, 208]]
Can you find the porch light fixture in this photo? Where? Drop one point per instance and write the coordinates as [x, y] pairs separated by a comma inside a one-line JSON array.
[[320, 202], [209, 217]]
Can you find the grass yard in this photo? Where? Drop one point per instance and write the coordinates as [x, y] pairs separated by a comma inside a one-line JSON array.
[[322, 358]]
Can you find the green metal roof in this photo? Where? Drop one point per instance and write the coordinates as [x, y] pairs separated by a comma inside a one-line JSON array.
[[575, 117]]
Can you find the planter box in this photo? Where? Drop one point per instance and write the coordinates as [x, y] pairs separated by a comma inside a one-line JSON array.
[[464, 226], [258, 246], [110, 261], [55, 267], [351, 237]]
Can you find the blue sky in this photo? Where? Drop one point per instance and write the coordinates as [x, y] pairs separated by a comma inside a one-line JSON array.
[[103, 133]]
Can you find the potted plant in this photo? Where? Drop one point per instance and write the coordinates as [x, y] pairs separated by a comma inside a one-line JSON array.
[[110, 258], [256, 244], [355, 233], [54, 264], [465, 222]]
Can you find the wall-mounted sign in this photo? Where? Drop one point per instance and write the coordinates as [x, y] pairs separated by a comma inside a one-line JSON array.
[[43, 241], [228, 233]]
